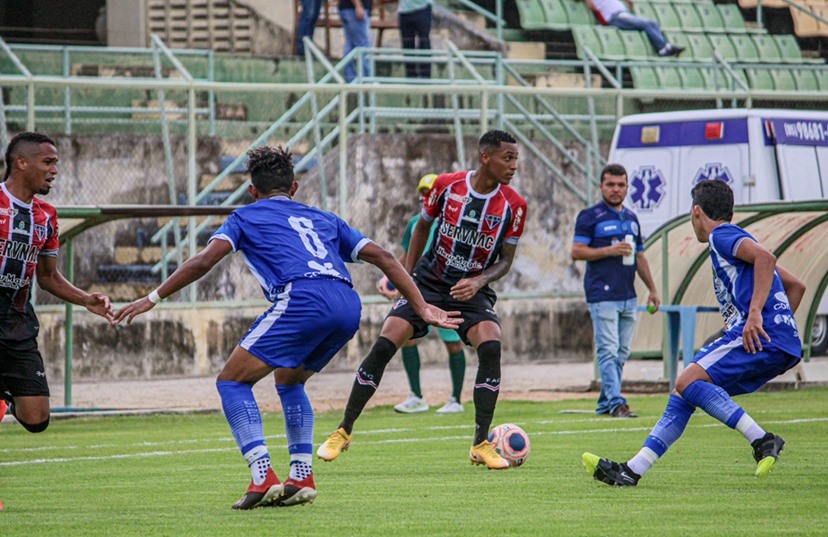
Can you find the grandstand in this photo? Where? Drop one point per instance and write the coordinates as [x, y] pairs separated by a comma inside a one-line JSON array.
[[160, 108]]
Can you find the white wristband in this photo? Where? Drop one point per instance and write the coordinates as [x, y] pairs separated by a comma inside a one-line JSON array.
[[154, 297]]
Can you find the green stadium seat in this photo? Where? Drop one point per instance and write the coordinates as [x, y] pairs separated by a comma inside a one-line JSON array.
[[644, 77], [759, 79], [806, 80], [645, 9], [698, 46], [585, 38], [711, 18], [611, 43], [667, 17], [637, 46], [578, 13], [783, 79], [689, 17], [732, 18], [669, 77], [532, 15], [789, 50], [696, 78], [724, 45], [555, 17], [822, 79], [745, 48], [767, 48]]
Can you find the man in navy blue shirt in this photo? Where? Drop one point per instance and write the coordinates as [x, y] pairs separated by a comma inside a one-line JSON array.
[[606, 234]]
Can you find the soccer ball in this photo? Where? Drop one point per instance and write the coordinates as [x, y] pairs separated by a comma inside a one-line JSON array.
[[511, 442]]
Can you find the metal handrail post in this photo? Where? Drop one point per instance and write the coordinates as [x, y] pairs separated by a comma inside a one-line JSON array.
[[69, 325], [317, 134], [67, 99]]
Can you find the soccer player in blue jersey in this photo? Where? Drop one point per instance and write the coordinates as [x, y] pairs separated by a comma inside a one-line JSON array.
[[298, 255], [757, 299]]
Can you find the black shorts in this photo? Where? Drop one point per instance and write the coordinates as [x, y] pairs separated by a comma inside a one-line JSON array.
[[21, 369], [480, 308]]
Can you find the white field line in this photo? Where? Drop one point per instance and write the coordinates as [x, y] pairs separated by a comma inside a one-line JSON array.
[[360, 435]]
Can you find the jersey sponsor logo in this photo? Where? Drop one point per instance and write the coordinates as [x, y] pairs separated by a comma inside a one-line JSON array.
[[466, 235], [492, 221], [457, 197], [19, 251], [713, 170], [10, 211], [13, 282], [648, 188], [459, 262], [518, 218]]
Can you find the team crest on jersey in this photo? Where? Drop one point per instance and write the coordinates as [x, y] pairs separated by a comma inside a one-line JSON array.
[[40, 231], [492, 221]]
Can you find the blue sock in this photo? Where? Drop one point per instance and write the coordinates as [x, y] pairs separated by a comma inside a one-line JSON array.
[[245, 420], [715, 401], [299, 428], [671, 425]]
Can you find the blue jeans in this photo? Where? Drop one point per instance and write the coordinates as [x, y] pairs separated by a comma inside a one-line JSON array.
[[628, 21], [613, 323], [307, 23], [357, 34]]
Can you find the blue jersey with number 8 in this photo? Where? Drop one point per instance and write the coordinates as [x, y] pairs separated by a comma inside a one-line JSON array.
[[283, 241]]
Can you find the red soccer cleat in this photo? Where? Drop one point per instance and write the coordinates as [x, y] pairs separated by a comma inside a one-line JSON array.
[[260, 495], [297, 492]]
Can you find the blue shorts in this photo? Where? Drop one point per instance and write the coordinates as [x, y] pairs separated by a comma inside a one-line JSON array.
[[308, 324], [735, 370]]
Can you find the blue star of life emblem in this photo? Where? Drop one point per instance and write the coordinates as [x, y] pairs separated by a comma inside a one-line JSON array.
[[713, 170], [648, 187]]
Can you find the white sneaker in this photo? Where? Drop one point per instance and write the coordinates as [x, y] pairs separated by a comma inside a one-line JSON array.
[[412, 405], [452, 407]]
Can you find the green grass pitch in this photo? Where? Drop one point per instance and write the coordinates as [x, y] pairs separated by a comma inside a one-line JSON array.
[[177, 475]]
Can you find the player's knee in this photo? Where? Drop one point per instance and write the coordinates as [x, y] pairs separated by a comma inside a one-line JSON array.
[[36, 427], [488, 353]]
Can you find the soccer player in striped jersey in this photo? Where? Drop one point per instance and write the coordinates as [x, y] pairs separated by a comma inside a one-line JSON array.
[[757, 299], [298, 255], [479, 219], [29, 247]]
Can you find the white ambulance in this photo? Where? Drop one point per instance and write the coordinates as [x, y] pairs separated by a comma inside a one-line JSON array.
[[763, 154]]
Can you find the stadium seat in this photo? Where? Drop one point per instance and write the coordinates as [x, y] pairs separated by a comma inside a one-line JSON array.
[[789, 50], [555, 17], [805, 25], [698, 46], [724, 46], [611, 43], [732, 18], [759, 79], [644, 77], [669, 77], [645, 9], [767, 48], [667, 16], [578, 13], [636, 46], [745, 48], [806, 80], [783, 80], [696, 78], [585, 38], [822, 79], [711, 18], [751, 4], [689, 18], [532, 15]]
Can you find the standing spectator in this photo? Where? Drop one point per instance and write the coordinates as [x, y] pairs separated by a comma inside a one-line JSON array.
[[604, 234], [307, 23], [356, 23], [415, 28], [615, 13]]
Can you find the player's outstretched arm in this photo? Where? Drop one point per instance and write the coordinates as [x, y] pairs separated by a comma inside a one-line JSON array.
[[190, 271], [51, 280], [388, 264]]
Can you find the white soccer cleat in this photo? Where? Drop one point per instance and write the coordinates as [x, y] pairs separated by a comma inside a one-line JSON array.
[[453, 406], [412, 405]]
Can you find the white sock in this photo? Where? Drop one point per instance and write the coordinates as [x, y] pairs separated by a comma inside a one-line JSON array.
[[642, 461], [258, 460], [300, 467], [749, 428]]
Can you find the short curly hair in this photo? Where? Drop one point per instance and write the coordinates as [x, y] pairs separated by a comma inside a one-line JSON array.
[[20, 143], [270, 169]]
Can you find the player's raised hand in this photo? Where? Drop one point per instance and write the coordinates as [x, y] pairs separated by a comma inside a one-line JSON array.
[[438, 317], [130, 311], [99, 304]]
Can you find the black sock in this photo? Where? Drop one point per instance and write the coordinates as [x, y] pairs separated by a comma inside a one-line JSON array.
[[486, 388], [367, 380]]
